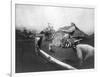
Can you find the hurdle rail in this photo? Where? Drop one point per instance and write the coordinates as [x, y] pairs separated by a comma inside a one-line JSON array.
[[50, 58]]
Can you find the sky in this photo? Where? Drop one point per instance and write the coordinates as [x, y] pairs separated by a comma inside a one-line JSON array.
[[37, 17]]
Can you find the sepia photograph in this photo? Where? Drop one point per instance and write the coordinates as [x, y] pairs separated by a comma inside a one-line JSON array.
[[53, 38]]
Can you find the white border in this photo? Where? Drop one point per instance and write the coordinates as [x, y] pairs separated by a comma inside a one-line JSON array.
[[45, 74]]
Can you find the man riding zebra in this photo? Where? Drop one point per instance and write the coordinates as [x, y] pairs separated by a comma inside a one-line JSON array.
[[64, 38]]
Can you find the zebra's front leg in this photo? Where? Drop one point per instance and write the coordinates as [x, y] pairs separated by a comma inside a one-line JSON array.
[[50, 45], [50, 48], [79, 55]]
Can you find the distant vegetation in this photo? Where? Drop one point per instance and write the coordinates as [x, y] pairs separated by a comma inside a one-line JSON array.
[[25, 34]]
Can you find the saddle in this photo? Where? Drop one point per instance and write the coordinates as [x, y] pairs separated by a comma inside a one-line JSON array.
[[64, 40]]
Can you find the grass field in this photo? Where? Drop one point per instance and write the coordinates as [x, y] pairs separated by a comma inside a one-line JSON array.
[[28, 61]]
